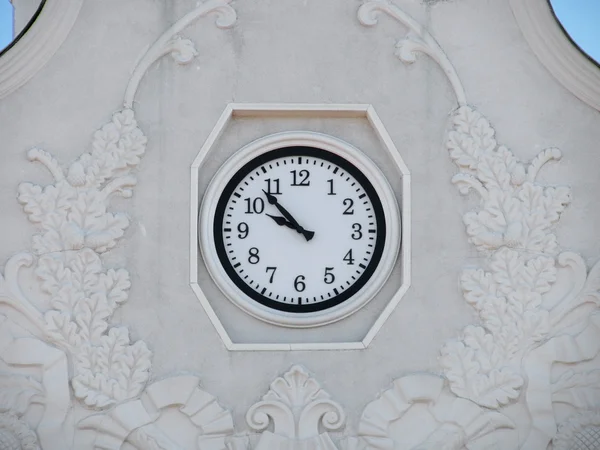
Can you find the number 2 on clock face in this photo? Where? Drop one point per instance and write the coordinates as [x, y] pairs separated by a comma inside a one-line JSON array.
[[299, 229]]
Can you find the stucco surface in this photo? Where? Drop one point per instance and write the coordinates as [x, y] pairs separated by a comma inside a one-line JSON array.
[[299, 52]]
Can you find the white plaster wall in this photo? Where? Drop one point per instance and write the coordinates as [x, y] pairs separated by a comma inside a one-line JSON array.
[[308, 52], [284, 58]]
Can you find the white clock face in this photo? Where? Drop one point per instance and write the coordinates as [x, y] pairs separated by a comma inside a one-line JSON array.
[[299, 229], [296, 230]]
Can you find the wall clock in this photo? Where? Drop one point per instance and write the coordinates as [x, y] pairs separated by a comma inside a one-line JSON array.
[[299, 229]]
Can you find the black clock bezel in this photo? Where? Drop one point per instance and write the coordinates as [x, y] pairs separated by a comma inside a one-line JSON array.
[[291, 151]]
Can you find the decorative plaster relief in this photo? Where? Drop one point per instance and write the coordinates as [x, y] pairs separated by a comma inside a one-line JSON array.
[[446, 422], [418, 39], [576, 388], [16, 434], [497, 372], [523, 331], [38, 377], [138, 421], [182, 50], [76, 228], [514, 223], [298, 407]]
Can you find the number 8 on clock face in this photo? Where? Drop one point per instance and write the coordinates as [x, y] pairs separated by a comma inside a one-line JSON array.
[[296, 234]]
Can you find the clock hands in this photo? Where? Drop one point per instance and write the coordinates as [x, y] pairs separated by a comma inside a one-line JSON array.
[[282, 221], [287, 219]]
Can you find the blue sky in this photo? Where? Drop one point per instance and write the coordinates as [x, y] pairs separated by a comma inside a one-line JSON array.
[[579, 17], [6, 29]]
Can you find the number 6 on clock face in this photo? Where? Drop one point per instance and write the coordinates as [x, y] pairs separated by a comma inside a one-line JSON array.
[[299, 229]]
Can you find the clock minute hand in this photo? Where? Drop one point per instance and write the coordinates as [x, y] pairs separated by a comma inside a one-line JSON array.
[[295, 225], [273, 201]]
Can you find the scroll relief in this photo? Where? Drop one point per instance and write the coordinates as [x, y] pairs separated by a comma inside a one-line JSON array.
[[538, 310]]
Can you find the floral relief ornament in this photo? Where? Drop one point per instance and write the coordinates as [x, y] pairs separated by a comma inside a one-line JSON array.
[[490, 366], [15, 434], [297, 407], [516, 212], [523, 330], [514, 224], [75, 228]]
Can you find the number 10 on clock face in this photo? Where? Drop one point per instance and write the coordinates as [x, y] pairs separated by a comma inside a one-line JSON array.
[[299, 229]]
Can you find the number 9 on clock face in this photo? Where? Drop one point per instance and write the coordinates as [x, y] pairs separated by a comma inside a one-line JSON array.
[[299, 235]]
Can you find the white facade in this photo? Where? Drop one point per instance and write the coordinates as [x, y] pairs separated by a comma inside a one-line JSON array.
[[104, 341]]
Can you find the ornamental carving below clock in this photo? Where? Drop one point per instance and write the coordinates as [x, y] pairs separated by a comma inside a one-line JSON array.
[[299, 232]]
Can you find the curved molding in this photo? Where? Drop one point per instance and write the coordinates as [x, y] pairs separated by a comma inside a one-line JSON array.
[[11, 294], [418, 39], [35, 48], [522, 331], [182, 50], [557, 53]]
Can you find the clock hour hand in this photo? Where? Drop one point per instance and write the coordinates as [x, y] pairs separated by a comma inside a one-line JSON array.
[[281, 221], [273, 201], [308, 235]]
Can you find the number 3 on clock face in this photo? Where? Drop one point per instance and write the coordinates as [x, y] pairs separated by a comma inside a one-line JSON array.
[[299, 229]]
